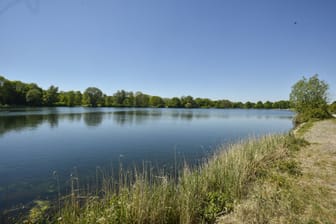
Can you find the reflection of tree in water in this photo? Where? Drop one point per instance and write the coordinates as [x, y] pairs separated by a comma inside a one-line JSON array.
[[52, 119], [20, 123], [74, 117], [130, 117], [123, 117], [187, 115], [93, 119]]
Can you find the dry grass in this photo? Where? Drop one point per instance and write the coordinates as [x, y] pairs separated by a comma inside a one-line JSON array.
[[307, 197], [199, 195], [269, 180]]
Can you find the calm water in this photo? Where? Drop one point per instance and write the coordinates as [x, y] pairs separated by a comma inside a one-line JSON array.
[[35, 142]]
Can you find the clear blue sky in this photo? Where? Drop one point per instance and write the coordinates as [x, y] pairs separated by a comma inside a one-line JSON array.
[[238, 50]]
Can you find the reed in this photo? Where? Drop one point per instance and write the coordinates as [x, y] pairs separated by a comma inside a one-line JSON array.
[[192, 195]]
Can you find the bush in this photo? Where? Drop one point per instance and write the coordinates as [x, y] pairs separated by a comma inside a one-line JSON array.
[[332, 108], [309, 99]]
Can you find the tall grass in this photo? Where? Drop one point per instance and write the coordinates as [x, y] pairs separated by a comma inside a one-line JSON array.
[[198, 195]]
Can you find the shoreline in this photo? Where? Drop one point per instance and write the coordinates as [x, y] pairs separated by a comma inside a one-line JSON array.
[[225, 189]]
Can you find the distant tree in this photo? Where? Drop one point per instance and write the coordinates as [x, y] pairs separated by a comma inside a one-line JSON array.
[[309, 99], [156, 101], [129, 100], [259, 105], [249, 105], [282, 104], [238, 105], [174, 102], [78, 98], [19, 91], [108, 101], [268, 105], [119, 98], [188, 102], [34, 97], [141, 100], [70, 98], [223, 104], [50, 96], [203, 102], [7, 92], [93, 96]]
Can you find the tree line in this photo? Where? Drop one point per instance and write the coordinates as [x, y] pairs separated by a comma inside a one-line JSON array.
[[17, 93]]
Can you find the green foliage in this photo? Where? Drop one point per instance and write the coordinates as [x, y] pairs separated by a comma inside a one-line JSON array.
[[141, 100], [249, 105], [15, 93], [38, 213], [197, 195], [174, 102], [332, 108], [34, 97], [224, 104], [259, 105], [188, 102], [291, 167], [309, 99], [156, 101], [93, 96], [268, 105], [50, 96], [217, 203]]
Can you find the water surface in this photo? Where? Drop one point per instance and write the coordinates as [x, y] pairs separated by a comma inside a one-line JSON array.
[[35, 142]]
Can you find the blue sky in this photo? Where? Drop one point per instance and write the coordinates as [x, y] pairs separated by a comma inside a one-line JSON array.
[[232, 49]]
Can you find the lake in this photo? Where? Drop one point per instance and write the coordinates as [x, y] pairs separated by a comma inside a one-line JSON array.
[[35, 142]]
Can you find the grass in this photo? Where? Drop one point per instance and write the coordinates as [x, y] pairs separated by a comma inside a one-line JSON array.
[[198, 195], [299, 189], [304, 128]]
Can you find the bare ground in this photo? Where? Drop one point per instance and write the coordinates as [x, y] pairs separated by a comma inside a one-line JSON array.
[[318, 162]]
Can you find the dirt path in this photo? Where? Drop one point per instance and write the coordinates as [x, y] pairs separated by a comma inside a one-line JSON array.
[[319, 159], [318, 162]]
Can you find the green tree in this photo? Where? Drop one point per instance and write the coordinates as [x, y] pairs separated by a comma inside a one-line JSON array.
[[188, 102], [141, 100], [249, 105], [223, 104], [282, 104], [78, 98], [119, 97], [7, 92], [203, 102], [93, 96], [332, 108], [259, 105], [50, 96], [268, 105], [238, 105], [156, 101], [309, 99], [129, 100], [174, 102], [34, 97]]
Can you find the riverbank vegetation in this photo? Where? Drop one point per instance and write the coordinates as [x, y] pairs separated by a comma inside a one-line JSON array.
[[274, 179], [17, 93], [309, 98], [193, 195]]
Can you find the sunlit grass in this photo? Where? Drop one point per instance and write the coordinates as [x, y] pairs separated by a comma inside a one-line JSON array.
[[197, 195]]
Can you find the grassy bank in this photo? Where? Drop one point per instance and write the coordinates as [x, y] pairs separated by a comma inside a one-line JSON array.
[[200, 195], [305, 193]]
